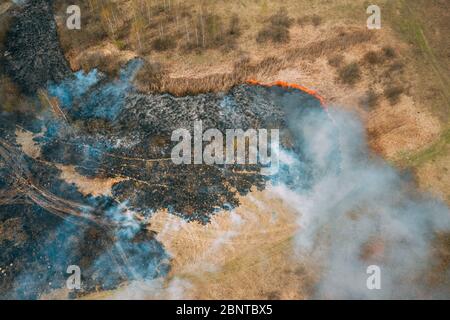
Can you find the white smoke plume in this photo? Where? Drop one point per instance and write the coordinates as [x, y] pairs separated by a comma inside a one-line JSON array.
[[175, 289], [355, 210]]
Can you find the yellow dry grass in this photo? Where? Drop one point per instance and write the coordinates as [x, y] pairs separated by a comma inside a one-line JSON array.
[[243, 254], [434, 176], [25, 139], [87, 186], [403, 129]]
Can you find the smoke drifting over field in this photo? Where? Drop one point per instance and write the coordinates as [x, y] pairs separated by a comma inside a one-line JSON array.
[[355, 211]]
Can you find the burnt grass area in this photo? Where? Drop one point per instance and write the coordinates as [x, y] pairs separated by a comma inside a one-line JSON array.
[[43, 231], [136, 145], [50, 224], [32, 55], [107, 129]]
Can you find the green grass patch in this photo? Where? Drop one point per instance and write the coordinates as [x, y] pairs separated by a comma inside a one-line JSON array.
[[437, 149]]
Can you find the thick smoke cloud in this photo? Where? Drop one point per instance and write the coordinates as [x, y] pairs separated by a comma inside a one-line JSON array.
[[355, 210]]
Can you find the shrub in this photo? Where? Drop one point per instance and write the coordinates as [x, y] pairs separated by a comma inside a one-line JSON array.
[[396, 66], [263, 35], [389, 52], [336, 60], [281, 19], [120, 44], [350, 73], [277, 30], [229, 45], [234, 28], [370, 99], [393, 93], [275, 34], [314, 20], [164, 43], [373, 57]]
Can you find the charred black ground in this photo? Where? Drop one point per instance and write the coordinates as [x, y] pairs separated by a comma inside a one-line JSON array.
[[32, 54]]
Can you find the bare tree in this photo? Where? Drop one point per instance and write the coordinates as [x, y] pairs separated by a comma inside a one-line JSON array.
[[187, 30], [203, 30]]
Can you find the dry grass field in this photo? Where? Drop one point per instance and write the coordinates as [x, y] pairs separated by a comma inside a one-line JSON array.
[[397, 79]]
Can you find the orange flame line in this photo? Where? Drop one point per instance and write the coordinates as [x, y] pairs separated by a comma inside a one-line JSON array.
[[284, 84]]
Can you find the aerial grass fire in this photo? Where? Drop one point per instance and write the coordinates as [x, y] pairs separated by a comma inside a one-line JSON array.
[[241, 147], [287, 85]]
